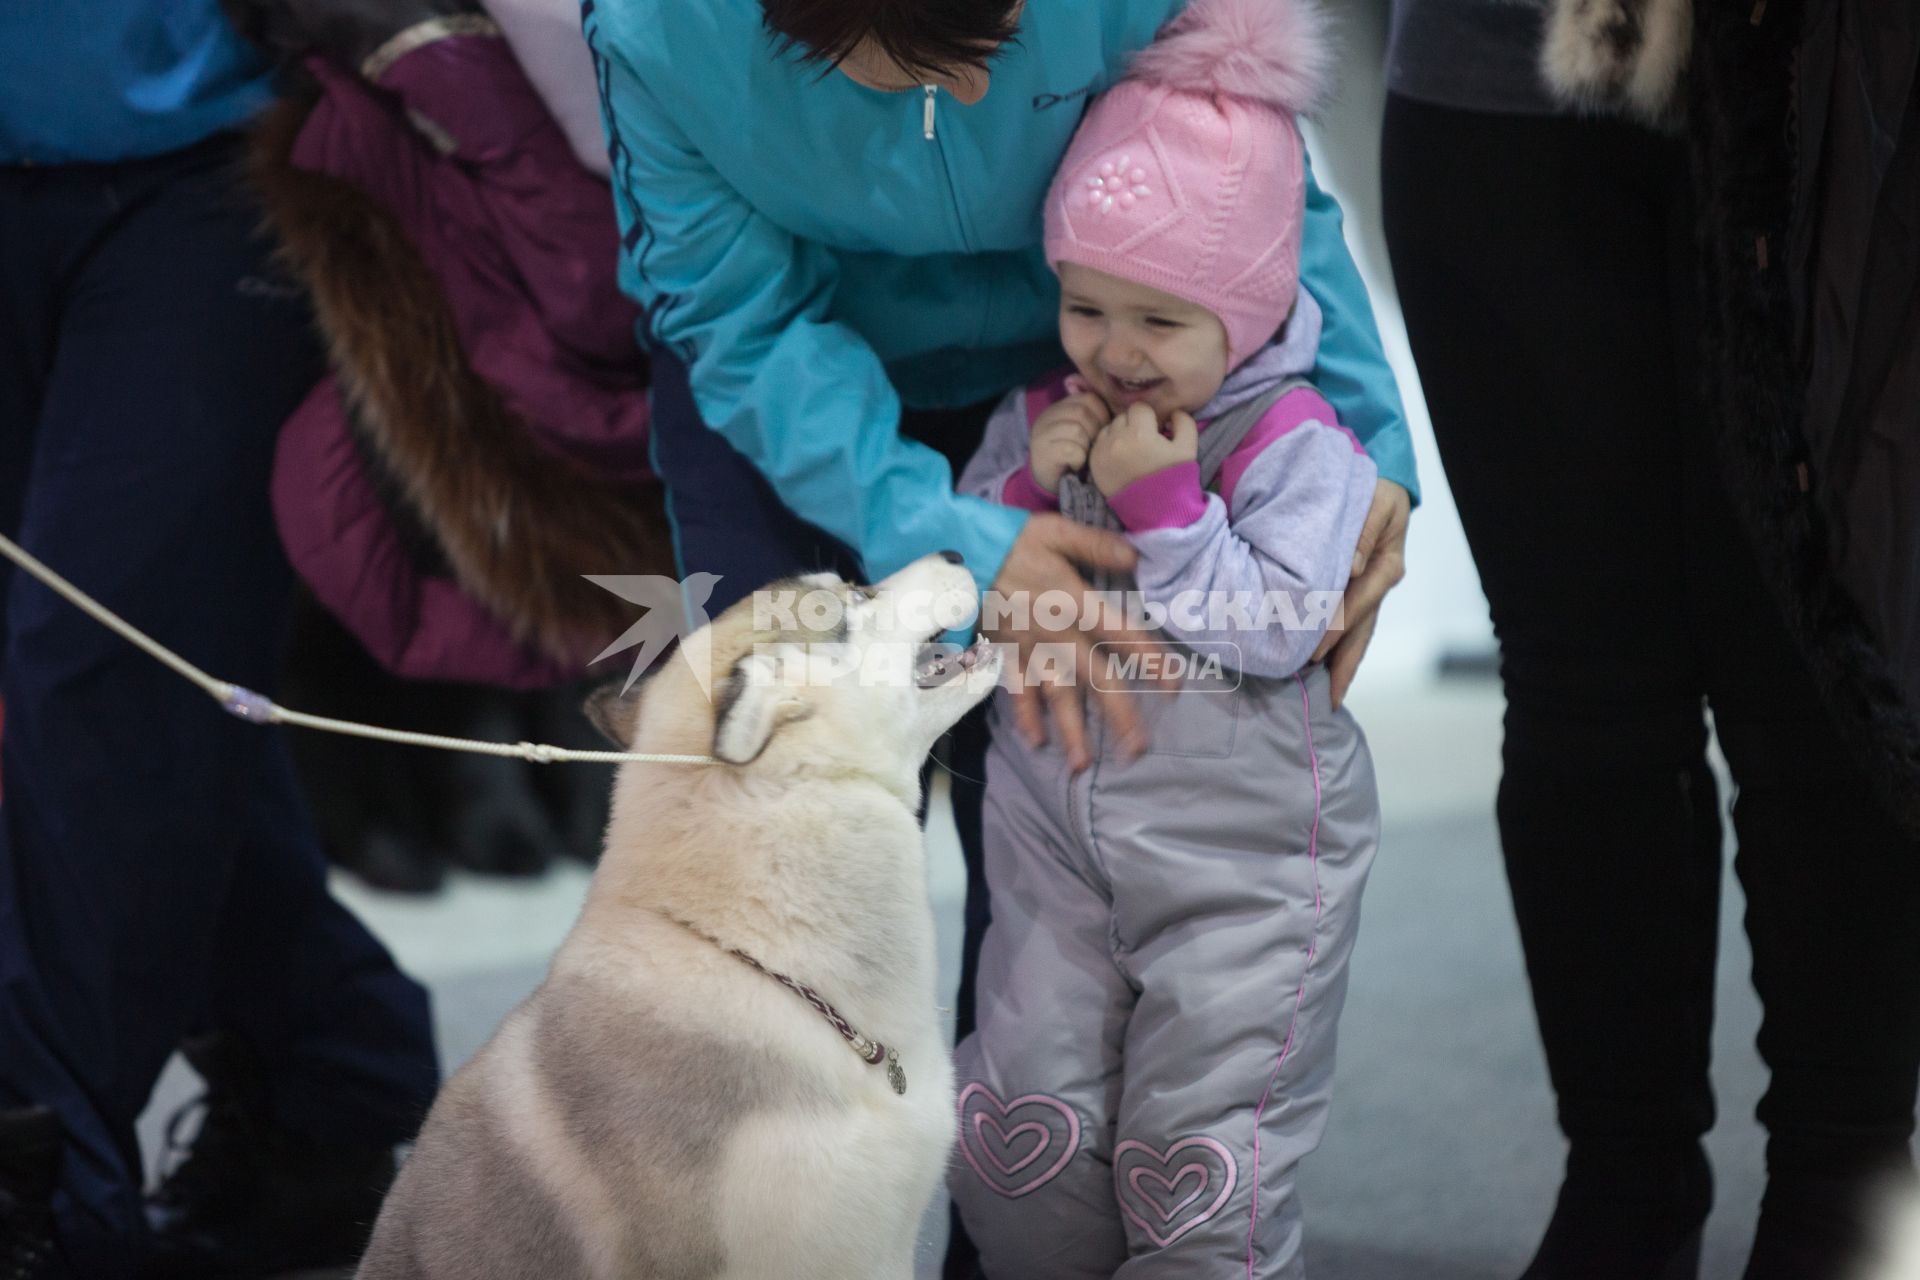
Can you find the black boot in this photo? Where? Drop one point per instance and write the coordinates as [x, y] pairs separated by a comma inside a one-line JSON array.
[[29, 1163], [251, 1199], [1631, 1213]]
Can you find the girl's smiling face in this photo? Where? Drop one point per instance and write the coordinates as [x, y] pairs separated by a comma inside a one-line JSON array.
[[1136, 345]]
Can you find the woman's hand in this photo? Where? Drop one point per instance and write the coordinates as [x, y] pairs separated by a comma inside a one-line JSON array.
[[1062, 436], [1044, 559], [1379, 562], [1133, 446]]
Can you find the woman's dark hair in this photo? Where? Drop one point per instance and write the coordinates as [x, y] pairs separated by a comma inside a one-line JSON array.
[[922, 36]]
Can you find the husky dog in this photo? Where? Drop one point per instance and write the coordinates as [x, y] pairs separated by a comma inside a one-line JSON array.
[[734, 1069]]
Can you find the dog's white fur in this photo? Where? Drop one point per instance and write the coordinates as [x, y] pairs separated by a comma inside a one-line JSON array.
[[658, 1107]]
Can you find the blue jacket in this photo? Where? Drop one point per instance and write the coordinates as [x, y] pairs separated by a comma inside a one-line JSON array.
[[818, 252], [120, 79]]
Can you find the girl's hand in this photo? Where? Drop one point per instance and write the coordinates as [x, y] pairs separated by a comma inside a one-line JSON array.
[[1061, 437], [1134, 445]]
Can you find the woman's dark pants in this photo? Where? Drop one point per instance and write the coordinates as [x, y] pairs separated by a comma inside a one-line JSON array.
[[1545, 268], [159, 875]]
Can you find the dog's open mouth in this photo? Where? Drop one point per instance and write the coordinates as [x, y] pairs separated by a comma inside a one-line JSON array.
[[938, 663]]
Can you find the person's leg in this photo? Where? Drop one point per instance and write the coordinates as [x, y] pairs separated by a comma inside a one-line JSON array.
[[1038, 1081], [966, 791], [956, 433], [30, 269], [1237, 884], [1533, 262], [343, 1038], [726, 518], [1833, 894], [30, 1134], [966, 760], [149, 843]]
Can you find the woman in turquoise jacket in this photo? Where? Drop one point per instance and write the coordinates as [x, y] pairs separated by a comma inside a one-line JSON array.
[[817, 254], [836, 241]]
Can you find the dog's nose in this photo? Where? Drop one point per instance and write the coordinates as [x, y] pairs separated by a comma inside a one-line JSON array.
[[953, 557]]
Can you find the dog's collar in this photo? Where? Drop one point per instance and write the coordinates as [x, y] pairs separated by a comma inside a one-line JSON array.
[[871, 1051]]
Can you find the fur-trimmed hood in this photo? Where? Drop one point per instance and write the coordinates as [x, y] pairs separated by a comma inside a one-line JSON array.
[[468, 461]]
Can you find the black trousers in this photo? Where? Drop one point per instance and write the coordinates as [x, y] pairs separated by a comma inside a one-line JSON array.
[[159, 873], [1545, 267]]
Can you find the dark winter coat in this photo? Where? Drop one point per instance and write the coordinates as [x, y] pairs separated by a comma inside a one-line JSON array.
[[1803, 118]]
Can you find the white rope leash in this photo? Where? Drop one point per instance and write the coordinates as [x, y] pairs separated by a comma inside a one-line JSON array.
[[257, 708]]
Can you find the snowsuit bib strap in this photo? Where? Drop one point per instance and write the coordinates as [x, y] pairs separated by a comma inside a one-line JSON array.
[[1082, 502]]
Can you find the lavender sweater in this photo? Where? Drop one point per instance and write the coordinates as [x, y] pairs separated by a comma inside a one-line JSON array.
[[1285, 516]]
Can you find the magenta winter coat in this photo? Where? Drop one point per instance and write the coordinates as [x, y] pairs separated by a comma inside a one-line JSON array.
[[462, 264]]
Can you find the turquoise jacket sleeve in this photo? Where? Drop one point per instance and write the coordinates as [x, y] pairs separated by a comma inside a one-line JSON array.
[[1352, 370], [801, 395]]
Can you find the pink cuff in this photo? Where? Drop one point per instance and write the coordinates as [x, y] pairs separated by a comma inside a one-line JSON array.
[[1169, 498], [1023, 491]]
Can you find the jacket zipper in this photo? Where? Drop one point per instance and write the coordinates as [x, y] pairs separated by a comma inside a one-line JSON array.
[[928, 131]]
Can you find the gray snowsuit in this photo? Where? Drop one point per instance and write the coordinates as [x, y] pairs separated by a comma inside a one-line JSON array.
[[1160, 984]]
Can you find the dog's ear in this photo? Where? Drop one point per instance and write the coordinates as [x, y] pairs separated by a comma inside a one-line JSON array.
[[614, 714], [755, 701]]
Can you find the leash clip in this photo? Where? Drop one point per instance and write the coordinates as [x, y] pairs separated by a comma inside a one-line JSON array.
[[245, 704]]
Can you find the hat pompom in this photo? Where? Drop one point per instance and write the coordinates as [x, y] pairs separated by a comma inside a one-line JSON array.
[[1276, 52]]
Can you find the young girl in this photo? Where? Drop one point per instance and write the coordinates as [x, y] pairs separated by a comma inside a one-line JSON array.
[[1167, 960]]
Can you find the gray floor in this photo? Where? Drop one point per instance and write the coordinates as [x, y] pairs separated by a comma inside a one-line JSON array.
[[1441, 1159]]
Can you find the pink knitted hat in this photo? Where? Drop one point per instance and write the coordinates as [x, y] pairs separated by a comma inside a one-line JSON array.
[[1189, 176]]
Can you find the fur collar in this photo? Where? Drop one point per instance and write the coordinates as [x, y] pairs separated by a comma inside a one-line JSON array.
[[1626, 56]]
